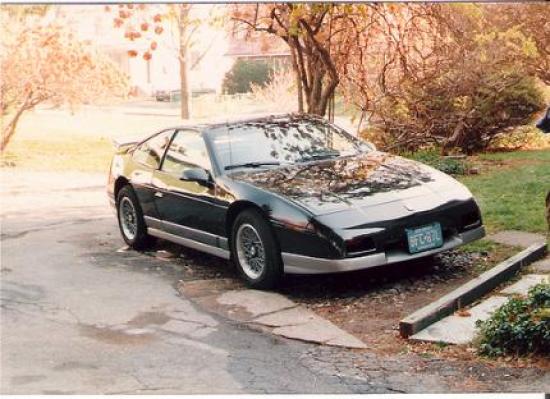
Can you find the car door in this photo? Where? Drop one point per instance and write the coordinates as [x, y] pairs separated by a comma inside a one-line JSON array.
[[186, 208], [146, 158]]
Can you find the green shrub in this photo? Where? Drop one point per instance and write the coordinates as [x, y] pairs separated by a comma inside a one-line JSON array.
[[431, 157], [244, 73], [459, 111], [527, 137], [519, 327]]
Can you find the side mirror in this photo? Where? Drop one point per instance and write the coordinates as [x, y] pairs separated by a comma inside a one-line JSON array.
[[197, 175], [544, 123]]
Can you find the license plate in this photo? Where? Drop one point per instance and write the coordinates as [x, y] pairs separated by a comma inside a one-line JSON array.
[[424, 237]]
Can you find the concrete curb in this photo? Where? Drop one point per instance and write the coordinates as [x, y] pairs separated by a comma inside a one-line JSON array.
[[469, 292]]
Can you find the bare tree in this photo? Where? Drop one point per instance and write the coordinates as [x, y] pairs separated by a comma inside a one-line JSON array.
[[312, 32], [44, 63], [143, 22]]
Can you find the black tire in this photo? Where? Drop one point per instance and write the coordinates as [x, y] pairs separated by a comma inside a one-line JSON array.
[[272, 271], [140, 240]]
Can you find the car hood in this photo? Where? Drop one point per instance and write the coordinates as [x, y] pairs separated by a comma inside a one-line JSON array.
[[374, 178]]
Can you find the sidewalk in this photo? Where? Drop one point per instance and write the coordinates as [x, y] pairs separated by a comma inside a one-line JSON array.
[[460, 328]]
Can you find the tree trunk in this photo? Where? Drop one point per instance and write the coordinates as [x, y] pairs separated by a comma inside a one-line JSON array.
[[299, 89], [316, 83], [322, 88], [183, 54], [184, 88], [9, 130]]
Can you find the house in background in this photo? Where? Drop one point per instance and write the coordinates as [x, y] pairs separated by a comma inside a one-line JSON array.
[[216, 47], [93, 24], [266, 48]]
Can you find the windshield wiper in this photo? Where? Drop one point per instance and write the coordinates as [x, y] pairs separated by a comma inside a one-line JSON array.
[[252, 165], [320, 155]]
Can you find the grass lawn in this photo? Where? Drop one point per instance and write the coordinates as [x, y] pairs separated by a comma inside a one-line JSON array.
[[512, 188], [489, 254], [80, 141], [82, 154]]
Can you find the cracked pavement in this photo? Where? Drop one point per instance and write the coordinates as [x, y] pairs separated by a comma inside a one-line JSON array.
[[79, 315]]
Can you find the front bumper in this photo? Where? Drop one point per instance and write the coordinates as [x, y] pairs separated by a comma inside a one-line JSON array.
[[299, 264]]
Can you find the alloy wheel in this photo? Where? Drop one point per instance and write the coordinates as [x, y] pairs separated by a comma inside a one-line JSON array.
[[250, 251], [128, 218]]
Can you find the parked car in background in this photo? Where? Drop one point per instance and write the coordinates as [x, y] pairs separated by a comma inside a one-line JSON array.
[[162, 95], [286, 194], [167, 95], [175, 95]]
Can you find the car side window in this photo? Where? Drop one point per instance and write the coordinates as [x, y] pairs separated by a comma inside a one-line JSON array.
[[186, 151], [151, 151]]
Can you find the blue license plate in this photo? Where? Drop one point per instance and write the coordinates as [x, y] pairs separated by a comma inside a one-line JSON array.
[[424, 237]]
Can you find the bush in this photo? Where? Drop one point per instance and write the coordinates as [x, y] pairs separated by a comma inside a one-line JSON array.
[[244, 74], [279, 93], [459, 110], [432, 157], [527, 137], [519, 327], [474, 86]]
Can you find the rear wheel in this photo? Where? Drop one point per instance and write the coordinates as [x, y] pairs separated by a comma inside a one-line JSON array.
[[255, 250], [130, 220]]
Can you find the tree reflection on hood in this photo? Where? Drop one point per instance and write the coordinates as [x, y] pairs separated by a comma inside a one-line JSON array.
[[340, 179]]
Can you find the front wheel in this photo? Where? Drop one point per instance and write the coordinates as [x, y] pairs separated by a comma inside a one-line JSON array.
[[130, 220], [255, 250]]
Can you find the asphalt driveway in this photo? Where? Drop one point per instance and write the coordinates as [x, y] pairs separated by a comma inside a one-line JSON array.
[[79, 314], [80, 317]]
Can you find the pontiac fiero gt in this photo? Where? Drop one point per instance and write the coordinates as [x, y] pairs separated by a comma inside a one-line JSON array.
[[286, 194]]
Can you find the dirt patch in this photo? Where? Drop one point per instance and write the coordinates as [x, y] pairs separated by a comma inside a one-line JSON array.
[[370, 303], [205, 294], [207, 288], [490, 165], [115, 337]]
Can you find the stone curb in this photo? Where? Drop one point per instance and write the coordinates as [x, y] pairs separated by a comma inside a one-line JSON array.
[[469, 292]]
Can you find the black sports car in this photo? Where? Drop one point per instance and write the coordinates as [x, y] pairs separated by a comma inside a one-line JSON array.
[[286, 194]]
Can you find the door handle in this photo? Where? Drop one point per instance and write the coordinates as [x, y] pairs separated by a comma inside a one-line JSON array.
[[158, 194]]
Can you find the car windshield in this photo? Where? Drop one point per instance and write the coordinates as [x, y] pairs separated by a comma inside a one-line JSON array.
[[272, 142]]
